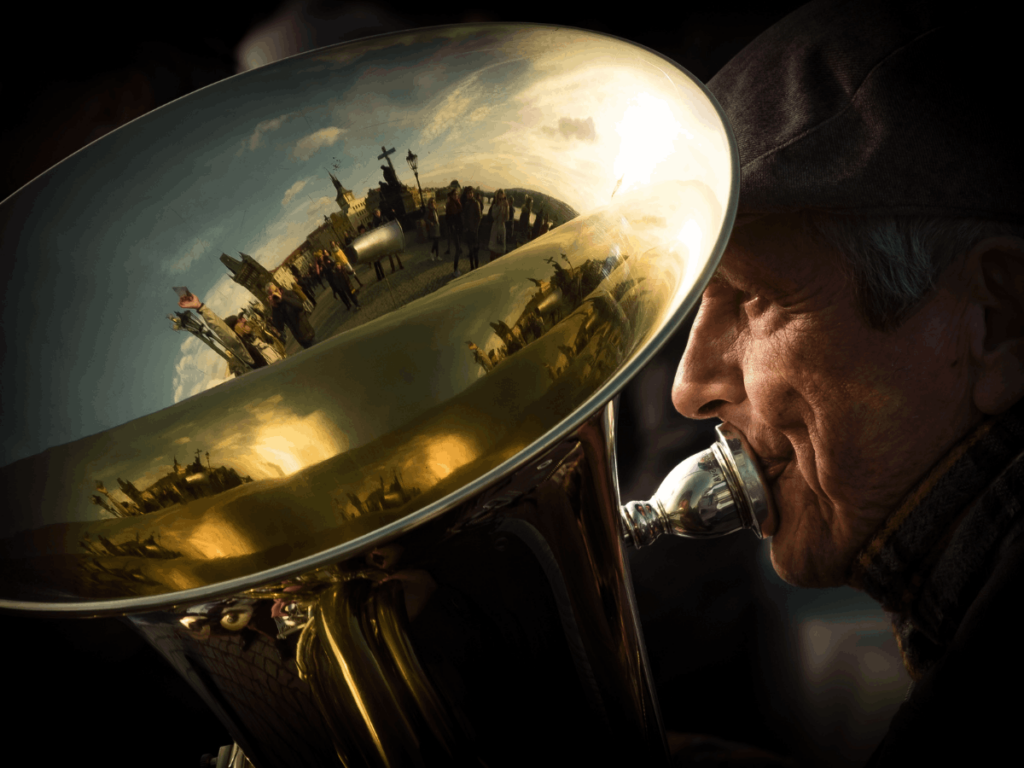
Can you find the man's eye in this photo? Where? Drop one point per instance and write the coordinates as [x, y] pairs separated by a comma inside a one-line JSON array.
[[755, 302]]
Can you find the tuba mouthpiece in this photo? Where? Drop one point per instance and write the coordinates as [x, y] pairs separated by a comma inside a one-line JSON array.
[[713, 493]]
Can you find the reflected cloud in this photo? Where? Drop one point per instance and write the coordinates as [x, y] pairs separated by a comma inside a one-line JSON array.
[[448, 114], [309, 145], [293, 190], [574, 128], [183, 263], [263, 128]]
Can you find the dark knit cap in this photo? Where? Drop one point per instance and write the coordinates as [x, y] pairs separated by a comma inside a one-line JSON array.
[[880, 108]]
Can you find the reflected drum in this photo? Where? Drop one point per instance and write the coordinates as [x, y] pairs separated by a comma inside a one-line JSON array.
[[410, 549]]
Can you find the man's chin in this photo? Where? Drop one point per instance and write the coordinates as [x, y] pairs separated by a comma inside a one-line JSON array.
[[802, 568], [803, 553]]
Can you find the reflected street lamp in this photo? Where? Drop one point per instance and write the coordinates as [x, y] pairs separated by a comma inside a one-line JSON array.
[[329, 221], [413, 161]]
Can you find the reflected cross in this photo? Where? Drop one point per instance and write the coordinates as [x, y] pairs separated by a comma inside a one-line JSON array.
[[386, 155]]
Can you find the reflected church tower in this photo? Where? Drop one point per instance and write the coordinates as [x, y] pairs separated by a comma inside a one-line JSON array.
[[345, 198], [249, 274], [352, 209]]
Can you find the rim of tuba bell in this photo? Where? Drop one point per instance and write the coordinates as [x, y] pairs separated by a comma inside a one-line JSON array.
[[371, 515]]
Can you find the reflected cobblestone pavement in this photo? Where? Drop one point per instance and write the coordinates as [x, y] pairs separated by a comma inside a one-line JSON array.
[[420, 278]]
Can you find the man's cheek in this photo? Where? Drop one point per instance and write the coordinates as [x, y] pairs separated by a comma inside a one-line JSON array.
[[790, 493], [803, 498], [774, 398]]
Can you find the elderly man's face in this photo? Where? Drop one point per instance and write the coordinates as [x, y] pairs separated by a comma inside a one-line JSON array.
[[845, 419]]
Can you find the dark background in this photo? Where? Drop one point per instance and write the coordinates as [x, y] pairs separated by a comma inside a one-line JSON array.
[[92, 685]]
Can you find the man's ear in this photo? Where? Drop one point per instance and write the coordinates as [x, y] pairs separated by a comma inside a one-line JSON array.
[[997, 346]]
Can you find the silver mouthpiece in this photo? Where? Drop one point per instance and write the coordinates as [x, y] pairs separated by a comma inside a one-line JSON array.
[[716, 492]]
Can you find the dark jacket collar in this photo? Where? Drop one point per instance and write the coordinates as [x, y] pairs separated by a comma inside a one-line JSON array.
[[930, 559]]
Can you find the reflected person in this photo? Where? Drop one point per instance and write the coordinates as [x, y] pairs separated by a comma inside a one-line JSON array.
[[260, 350], [336, 279], [342, 259], [287, 310], [433, 229], [257, 321], [243, 361], [453, 220], [317, 271], [302, 287], [538, 223], [499, 214], [471, 227]]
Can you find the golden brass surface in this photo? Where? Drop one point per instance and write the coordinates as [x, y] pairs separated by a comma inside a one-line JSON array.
[[399, 415], [501, 631], [395, 542]]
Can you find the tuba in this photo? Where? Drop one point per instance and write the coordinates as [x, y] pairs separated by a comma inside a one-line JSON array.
[[411, 550]]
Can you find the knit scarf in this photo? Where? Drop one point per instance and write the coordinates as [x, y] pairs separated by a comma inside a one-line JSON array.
[[932, 556]]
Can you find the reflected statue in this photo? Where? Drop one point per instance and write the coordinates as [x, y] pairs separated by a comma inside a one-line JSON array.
[[105, 504], [390, 178], [186, 321], [123, 508], [391, 189], [523, 227], [480, 358]]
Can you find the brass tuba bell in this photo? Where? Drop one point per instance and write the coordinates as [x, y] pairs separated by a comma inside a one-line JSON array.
[[369, 509]]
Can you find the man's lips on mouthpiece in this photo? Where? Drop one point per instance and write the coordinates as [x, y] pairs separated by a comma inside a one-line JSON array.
[[772, 461], [772, 453]]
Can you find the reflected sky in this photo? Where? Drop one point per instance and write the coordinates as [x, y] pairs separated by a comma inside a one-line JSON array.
[[91, 250]]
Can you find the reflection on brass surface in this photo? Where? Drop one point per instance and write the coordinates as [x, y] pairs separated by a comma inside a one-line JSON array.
[[392, 409], [365, 677], [343, 461], [396, 537], [501, 631], [179, 486]]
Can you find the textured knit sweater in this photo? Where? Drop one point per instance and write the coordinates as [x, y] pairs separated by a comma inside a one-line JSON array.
[[949, 566]]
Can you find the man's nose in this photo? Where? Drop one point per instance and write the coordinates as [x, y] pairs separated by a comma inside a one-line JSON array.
[[710, 375]]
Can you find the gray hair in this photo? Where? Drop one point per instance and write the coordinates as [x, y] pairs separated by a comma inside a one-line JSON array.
[[895, 262]]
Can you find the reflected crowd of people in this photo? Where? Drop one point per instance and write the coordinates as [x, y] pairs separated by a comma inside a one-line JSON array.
[[498, 230], [256, 336]]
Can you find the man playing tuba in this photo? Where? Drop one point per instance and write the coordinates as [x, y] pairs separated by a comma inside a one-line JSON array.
[[865, 331]]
